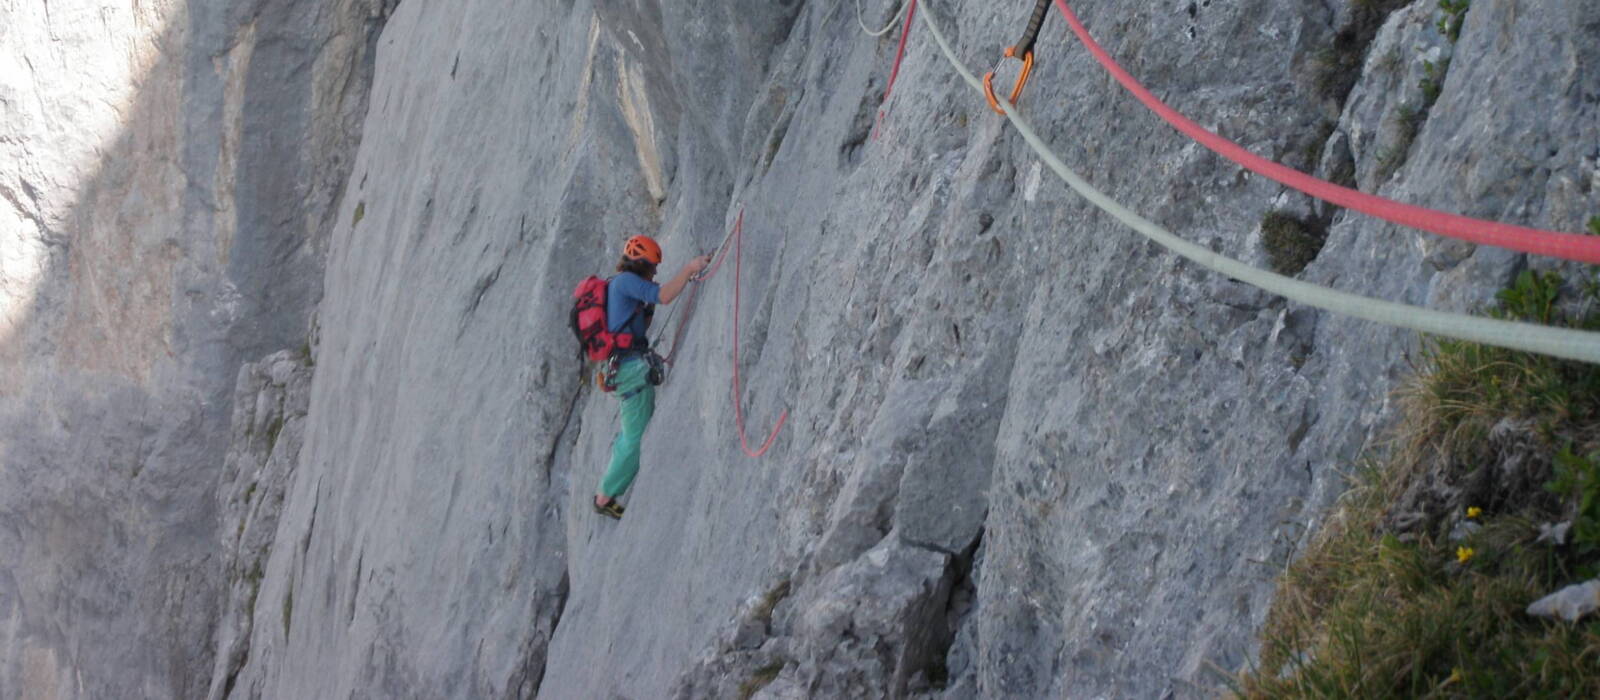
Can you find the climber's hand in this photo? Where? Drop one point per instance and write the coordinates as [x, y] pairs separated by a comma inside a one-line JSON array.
[[696, 265]]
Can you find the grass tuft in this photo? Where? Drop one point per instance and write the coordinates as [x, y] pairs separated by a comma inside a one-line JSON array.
[[1291, 242], [1334, 69], [1380, 606], [763, 677], [763, 610], [1455, 13], [1433, 81]]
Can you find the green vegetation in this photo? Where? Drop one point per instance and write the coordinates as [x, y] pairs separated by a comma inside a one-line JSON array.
[[1390, 158], [1408, 120], [1455, 13], [1578, 479], [763, 610], [1386, 602], [1334, 69], [762, 678], [1594, 225], [1433, 81], [1291, 242], [361, 211], [1311, 153]]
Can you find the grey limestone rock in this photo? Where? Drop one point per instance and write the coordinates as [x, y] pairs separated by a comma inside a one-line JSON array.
[[1570, 603], [1027, 454], [271, 399], [168, 174]]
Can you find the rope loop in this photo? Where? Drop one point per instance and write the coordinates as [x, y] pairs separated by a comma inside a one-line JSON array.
[[1016, 90]]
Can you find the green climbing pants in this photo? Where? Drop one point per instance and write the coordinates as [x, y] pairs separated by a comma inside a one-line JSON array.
[[632, 377]]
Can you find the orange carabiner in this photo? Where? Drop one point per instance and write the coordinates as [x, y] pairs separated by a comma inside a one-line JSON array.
[[1016, 90]]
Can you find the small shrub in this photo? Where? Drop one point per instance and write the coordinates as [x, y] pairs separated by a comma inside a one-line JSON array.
[[1407, 121], [1532, 297], [763, 610], [1390, 158], [1577, 478], [1312, 153], [763, 677], [1433, 81], [1291, 242], [1594, 225], [361, 211], [1455, 12], [1335, 68]]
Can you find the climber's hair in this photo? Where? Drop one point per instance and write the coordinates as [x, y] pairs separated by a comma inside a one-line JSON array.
[[642, 268]]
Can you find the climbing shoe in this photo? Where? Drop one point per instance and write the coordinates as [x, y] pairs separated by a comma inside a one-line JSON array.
[[611, 510]]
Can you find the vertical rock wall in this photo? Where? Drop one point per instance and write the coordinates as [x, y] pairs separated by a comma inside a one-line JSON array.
[[1029, 454], [166, 175]]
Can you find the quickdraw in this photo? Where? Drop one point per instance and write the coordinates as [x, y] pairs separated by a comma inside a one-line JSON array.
[[1022, 51]]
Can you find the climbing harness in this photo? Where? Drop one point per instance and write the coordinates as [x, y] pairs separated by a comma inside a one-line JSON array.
[[654, 376], [1568, 246], [1022, 51], [1558, 342]]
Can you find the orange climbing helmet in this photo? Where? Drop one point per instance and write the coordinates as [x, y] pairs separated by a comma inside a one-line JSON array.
[[642, 248]]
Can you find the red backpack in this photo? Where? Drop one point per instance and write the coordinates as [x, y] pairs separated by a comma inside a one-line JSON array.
[[595, 339]]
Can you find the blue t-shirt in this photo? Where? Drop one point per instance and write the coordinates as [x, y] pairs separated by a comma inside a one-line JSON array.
[[625, 295]]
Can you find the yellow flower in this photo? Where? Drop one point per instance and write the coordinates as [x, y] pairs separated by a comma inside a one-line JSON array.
[[1464, 554], [1474, 512]]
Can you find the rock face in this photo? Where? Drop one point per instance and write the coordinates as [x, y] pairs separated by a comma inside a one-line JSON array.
[[269, 411], [166, 176], [1028, 454], [1570, 603]]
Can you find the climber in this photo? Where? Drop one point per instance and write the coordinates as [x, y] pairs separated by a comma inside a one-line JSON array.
[[630, 300]]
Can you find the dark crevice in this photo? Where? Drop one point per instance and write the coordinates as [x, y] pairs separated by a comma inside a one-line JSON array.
[[955, 657], [355, 586], [527, 679], [927, 547], [566, 427], [479, 291], [233, 673], [316, 500], [1334, 70]]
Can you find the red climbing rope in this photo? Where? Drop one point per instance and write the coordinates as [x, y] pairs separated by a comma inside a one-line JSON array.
[[899, 55], [738, 411], [1569, 246], [694, 294]]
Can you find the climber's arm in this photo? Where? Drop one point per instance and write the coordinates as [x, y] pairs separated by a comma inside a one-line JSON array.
[[674, 287]]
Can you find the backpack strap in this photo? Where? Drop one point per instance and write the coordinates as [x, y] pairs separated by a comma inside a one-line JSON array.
[[639, 343]]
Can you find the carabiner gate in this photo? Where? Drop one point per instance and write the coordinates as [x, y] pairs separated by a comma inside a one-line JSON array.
[[1016, 90]]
